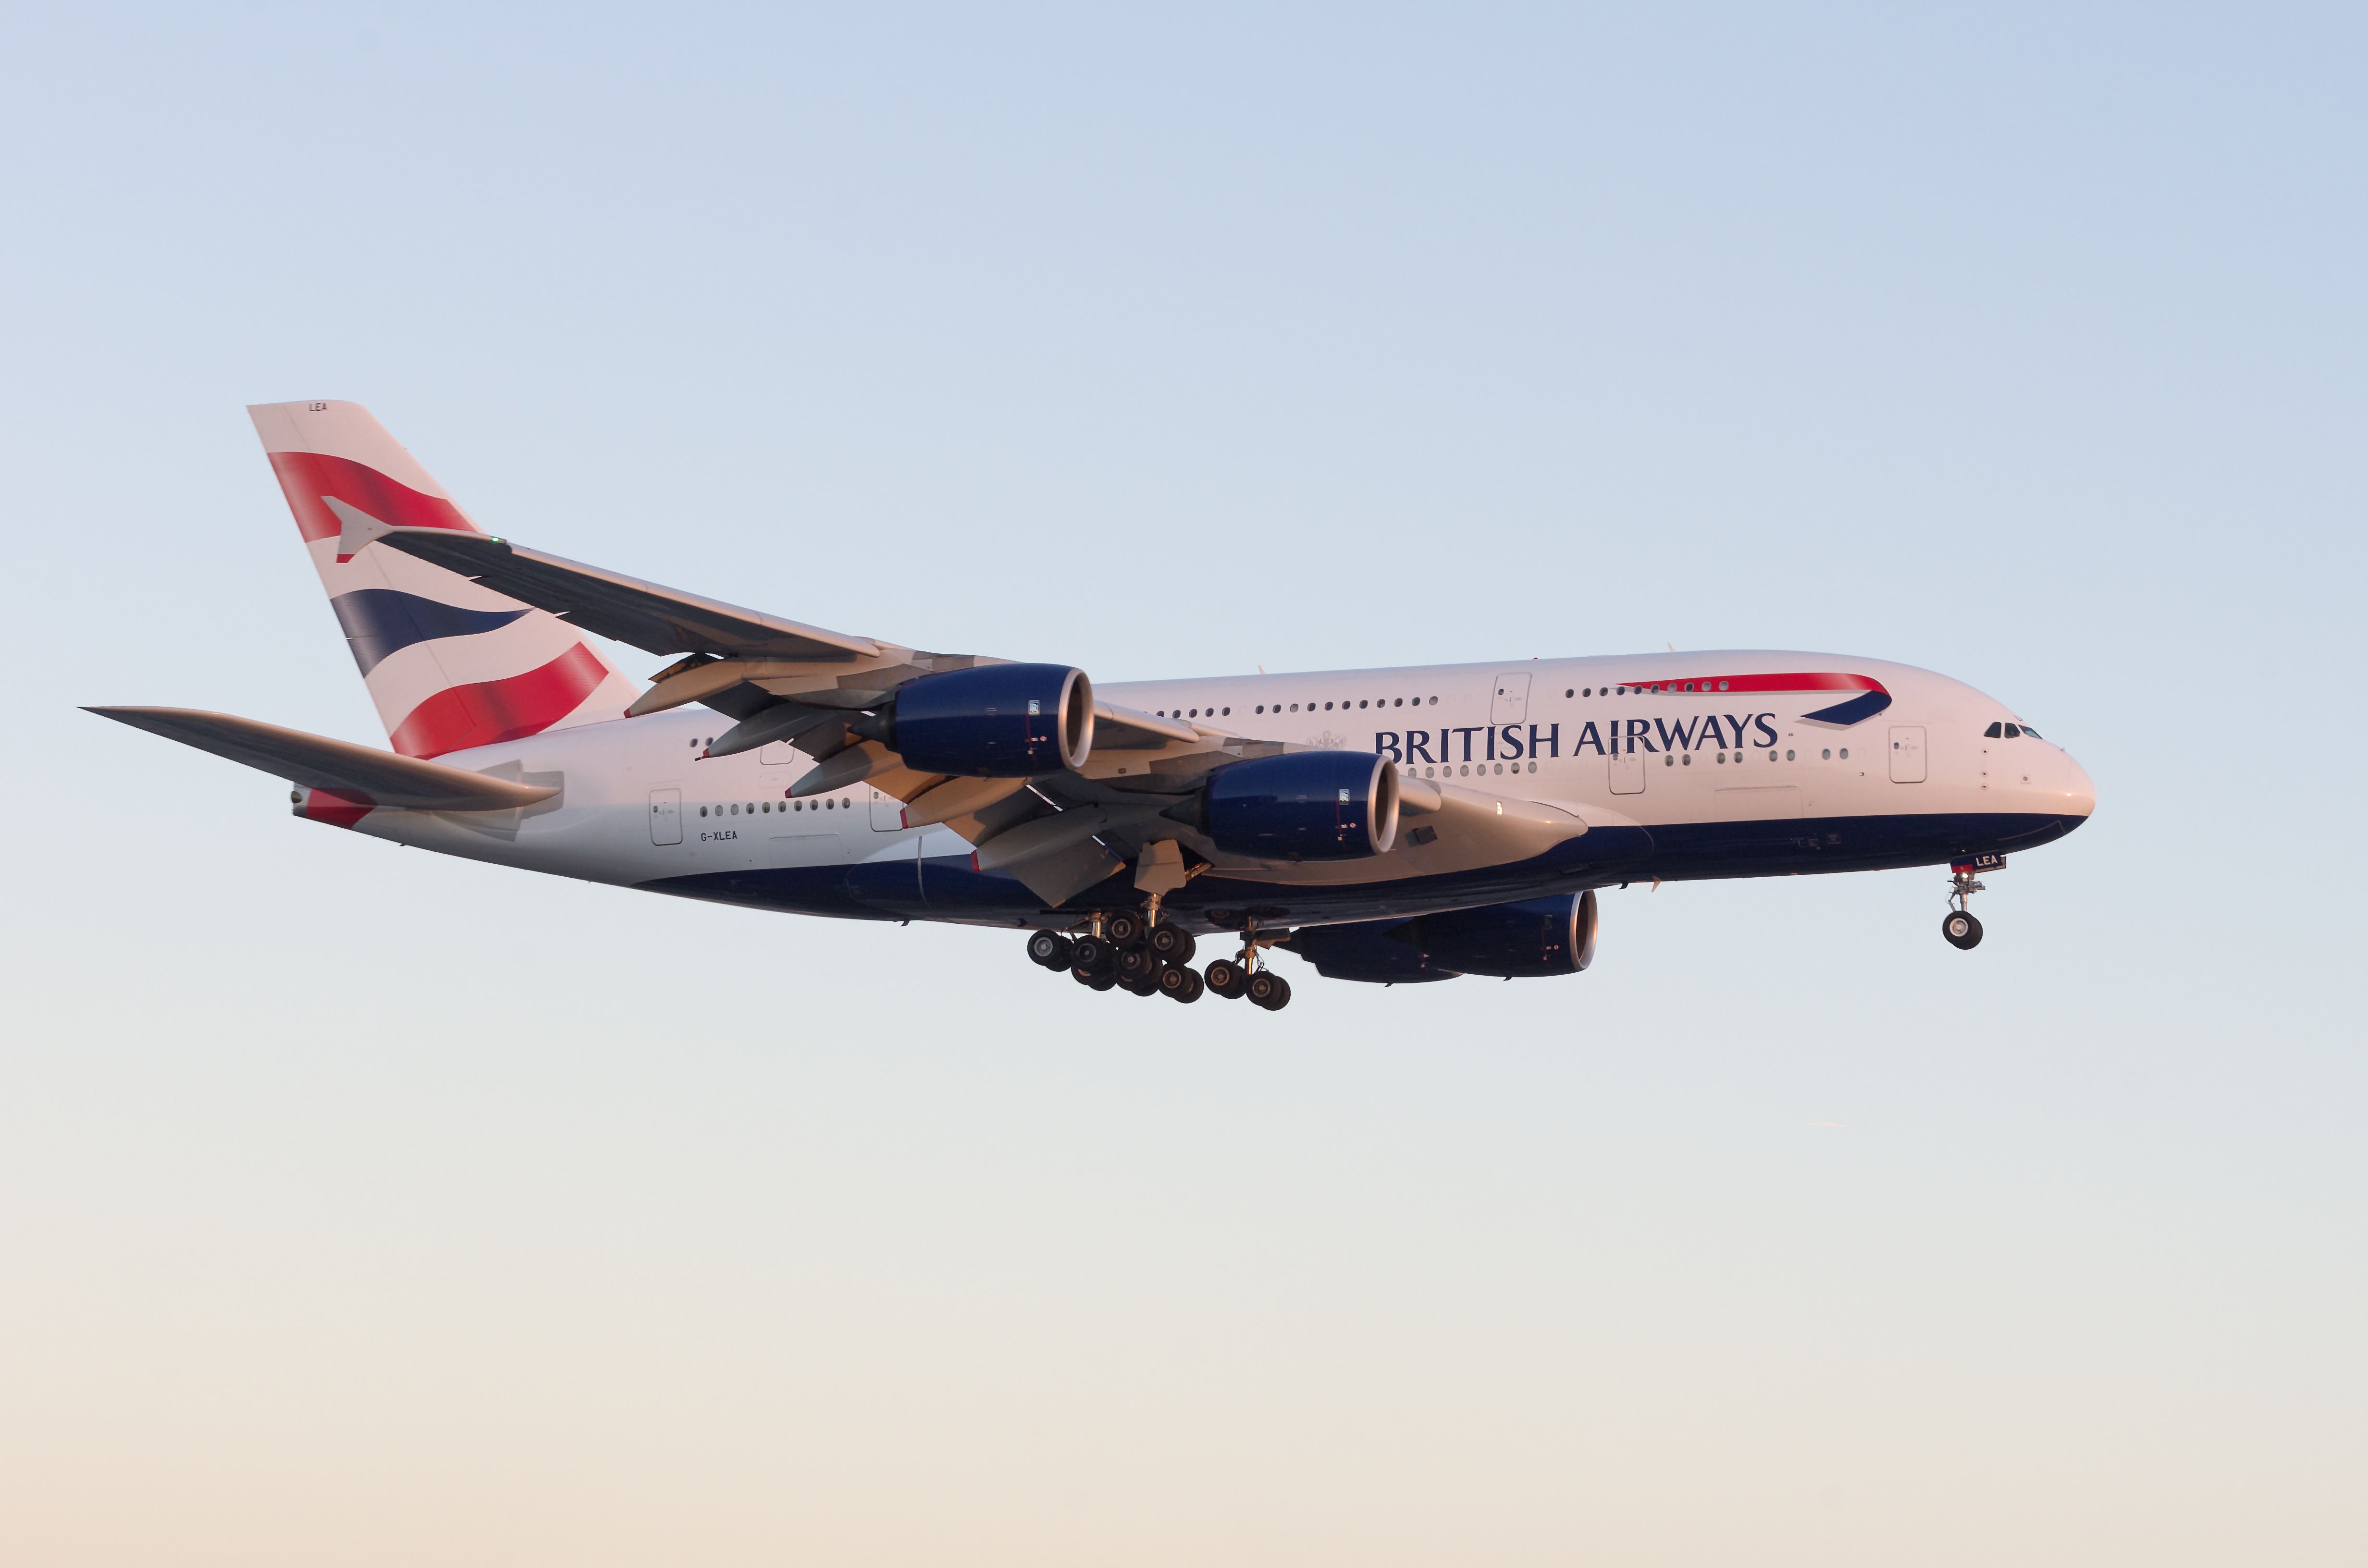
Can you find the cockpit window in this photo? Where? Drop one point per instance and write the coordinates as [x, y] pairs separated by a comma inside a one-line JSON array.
[[2012, 730], [1992, 732], [2027, 730]]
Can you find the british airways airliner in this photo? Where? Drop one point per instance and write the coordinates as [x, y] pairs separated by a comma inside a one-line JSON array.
[[1387, 825]]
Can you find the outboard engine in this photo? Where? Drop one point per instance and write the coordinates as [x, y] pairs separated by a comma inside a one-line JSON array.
[[991, 722], [1535, 937], [1369, 951], [1524, 940], [1308, 805]]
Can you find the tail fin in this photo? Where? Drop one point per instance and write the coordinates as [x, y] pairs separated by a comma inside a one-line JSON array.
[[450, 665]]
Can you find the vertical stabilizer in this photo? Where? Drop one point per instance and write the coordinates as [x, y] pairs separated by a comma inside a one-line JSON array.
[[450, 665]]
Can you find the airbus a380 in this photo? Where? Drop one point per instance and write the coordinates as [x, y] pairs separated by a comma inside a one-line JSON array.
[[1388, 826]]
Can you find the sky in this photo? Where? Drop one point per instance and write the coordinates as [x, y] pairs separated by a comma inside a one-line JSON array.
[[364, 1207]]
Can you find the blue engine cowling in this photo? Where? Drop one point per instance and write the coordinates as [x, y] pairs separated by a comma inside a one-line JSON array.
[[1523, 940], [1534, 936], [1366, 952], [1308, 805], [995, 721]]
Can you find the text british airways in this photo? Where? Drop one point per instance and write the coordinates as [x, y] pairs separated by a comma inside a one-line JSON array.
[[1509, 741]]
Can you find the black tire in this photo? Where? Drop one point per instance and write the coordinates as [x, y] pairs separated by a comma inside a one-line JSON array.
[[1086, 977], [1138, 964], [1172, 981], [1092, 954], [1264, 987], [1124, 928], [1103, 982], [1171, 942], [1050, 948], [1193, 986], [1962, 931], [1140, 987], [1226, 978], [1283, 999]]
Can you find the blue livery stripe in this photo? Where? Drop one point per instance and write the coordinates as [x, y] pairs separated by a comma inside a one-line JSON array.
[[1865, 705], [381, 622]]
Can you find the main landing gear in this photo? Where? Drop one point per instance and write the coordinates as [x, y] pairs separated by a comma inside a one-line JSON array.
[[1121, 951], [1958, 926]]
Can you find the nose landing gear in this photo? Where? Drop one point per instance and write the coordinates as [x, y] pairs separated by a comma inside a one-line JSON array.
[[1959, 928]]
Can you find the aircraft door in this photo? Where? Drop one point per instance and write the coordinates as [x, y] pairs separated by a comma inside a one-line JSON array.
[[1907, 754], [887, 812], [665, 816], [1511, 703], [1627, 766]]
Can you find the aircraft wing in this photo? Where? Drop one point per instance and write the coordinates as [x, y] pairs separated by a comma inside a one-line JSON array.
[[821, 691], [610, 604], [357, 773]]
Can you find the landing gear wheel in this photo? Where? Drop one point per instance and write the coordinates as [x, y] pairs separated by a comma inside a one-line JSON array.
[[1125, 928], [1180, 984], [1088, 979], [1091, 954], [1961, 929], [1171, 942], [1051, 948], [1141, 987], [1270, 990], [1226, 978], [1136, 964]]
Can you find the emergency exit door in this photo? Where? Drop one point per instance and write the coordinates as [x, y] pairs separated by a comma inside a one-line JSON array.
[[665, 816], [1907, 754], [1627, 768], [1511, 703], [887, 812]]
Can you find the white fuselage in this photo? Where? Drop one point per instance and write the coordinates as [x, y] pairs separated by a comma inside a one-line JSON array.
[[1620, 743]]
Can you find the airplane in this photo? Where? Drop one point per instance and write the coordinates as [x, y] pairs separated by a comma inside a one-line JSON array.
[[1397, 825]]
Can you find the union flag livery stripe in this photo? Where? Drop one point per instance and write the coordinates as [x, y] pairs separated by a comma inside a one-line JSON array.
[[306, 478], [337, 810], [494, 711], [1871, 698]]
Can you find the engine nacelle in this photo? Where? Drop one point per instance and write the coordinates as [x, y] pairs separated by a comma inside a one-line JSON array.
[[994, 720], [1535, 937], [1523, 940], [1308, 805], [1368, 951]]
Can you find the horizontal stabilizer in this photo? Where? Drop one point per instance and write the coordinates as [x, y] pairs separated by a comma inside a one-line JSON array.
[[610, 604], [358, 773]]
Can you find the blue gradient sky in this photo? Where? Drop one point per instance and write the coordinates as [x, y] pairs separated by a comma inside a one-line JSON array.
[[361, 1206]]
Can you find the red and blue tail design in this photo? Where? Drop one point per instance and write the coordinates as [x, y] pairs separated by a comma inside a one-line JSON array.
[[450, 665]]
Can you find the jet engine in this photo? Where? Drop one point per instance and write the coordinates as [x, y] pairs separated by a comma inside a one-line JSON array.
[[1521, 940], [1308, 805], [991, 722]]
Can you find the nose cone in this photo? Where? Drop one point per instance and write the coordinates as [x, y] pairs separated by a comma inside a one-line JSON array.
[[2080, 793]]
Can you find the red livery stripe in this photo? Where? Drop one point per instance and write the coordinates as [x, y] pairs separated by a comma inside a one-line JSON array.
[[337, 811], [306, 477], [1816, 681], [494, 711]]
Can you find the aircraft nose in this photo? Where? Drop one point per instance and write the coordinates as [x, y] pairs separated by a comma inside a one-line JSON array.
[[2079, 791]]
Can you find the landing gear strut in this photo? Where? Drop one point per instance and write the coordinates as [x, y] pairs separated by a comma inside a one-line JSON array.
[[1959, 926], [1247, 977]]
